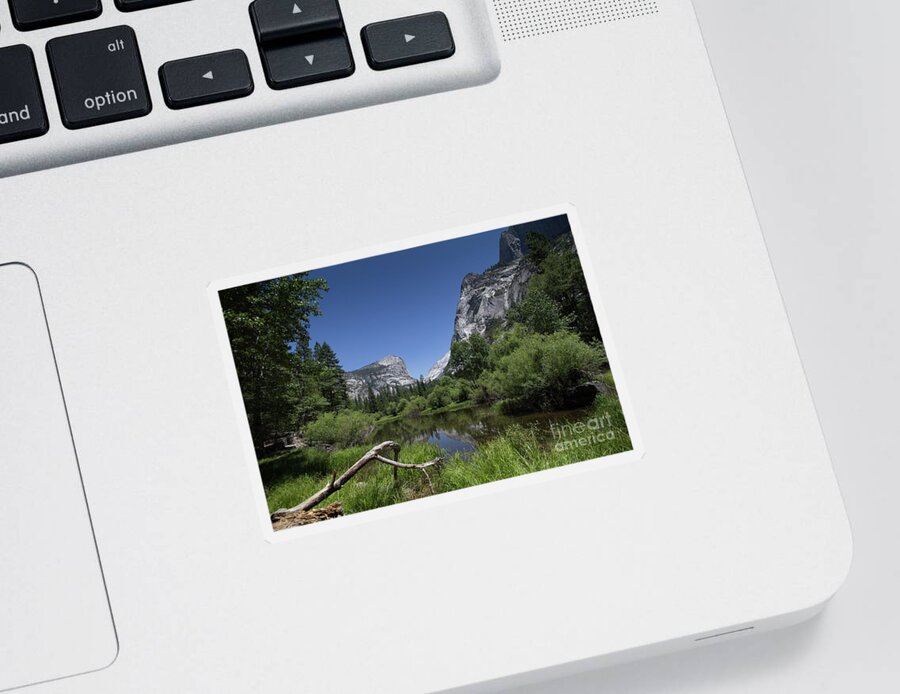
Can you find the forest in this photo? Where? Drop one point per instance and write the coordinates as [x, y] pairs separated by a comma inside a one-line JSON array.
[[540, 367]]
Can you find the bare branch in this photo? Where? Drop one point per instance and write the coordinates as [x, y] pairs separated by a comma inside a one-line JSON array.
[[337, 483], [428, 478], [408, 466]]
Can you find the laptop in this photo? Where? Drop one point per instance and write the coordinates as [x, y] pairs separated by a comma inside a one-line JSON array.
[[386, 347]]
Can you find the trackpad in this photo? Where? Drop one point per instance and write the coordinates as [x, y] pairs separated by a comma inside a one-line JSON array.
[[55, 619]]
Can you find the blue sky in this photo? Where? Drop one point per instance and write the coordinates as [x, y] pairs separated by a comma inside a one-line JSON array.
[[402, 303]]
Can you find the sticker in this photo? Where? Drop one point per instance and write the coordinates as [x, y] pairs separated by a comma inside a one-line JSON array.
[[399, 375]]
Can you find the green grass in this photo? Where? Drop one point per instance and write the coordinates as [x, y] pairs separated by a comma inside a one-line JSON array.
[[295, 476], [522, 450], [454, 407]]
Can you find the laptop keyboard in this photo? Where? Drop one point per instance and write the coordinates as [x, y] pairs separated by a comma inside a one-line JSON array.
[[102, 76]]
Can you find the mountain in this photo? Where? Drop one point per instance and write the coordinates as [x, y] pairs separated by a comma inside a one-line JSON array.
[[484, 300], [436, 371], [514, 241], [512, 246], [384, 374], [486, 297]]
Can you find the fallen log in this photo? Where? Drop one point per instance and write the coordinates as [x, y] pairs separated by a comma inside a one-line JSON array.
[[376, 454], [292, 520]]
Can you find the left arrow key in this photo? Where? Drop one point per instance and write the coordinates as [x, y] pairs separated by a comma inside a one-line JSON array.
[[206, 79]]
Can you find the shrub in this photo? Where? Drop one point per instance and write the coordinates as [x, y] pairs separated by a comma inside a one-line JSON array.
[[448, 391], [414, 406], [439, 397], [538, 372], [344, 428]]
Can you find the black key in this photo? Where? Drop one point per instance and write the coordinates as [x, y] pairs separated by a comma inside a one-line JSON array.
[[99, 77], [284, 19], [37, 14], [296, 64], [408, 41], [206, 79], [131, 5], [22, 111]]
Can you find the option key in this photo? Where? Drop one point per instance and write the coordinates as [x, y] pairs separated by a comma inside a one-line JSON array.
[[99, 77]]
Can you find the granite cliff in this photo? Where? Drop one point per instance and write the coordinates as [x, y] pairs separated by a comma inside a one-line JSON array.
[[485, 298]]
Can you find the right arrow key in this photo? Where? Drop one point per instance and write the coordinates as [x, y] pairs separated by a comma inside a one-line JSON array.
[[408, 40]]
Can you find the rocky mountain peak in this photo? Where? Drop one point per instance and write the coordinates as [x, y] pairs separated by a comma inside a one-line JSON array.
[[485, 298], [439, 368], [391, 360], [386, 374], [511, 247]]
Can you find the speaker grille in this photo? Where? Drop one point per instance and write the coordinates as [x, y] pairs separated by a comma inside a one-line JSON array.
[[522, 19]]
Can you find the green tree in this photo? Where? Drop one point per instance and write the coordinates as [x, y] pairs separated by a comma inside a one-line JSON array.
[[414, 406], [469, 357], [506, 343], [538, 372], [561, 278], [538, 312], [268, 327], [370, 400], [330, 375], [539, 247], [438, 397], [310, 399]]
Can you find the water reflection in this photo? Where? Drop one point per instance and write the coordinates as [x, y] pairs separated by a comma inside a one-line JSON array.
[[462, 431]]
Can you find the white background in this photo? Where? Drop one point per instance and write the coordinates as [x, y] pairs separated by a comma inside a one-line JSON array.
[[812, 90]]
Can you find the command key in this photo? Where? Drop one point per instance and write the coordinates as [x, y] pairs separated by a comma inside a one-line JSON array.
[[22, 111]]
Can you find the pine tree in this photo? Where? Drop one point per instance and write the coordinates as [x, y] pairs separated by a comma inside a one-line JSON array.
[[330, 376], [268, 327]]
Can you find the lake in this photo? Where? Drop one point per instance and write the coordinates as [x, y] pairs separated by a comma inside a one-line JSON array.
[[461, 431]]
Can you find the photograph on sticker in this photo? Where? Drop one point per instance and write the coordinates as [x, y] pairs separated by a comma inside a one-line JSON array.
[[423, 371]]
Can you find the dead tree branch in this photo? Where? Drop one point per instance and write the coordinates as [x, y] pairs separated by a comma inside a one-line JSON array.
[[375, 454], [407, 466]]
